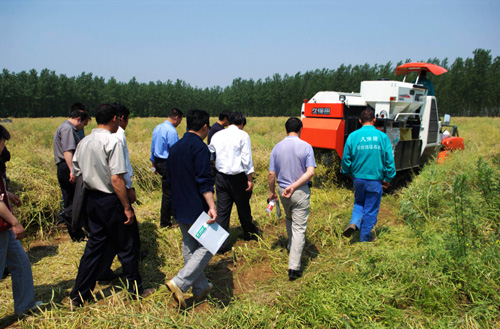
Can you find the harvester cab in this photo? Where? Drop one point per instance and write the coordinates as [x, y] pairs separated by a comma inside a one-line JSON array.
[[404, 111]]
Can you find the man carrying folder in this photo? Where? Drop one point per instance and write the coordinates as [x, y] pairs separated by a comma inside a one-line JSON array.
[[192, 189]]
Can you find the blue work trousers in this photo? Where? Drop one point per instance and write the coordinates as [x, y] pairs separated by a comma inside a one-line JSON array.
[[367, 197]]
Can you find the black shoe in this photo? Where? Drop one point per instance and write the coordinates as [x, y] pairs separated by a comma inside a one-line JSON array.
[[167, 225], [252, 236], [294, 274], [349, 230], [76, 235]]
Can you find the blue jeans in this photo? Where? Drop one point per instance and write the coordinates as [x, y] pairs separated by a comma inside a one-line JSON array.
[[367, 197], [196, 258], [13, 254]]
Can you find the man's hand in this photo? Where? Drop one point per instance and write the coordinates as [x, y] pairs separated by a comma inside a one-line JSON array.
[[287, 193], [72, 178], [273, 196], [213, 215], [250, 186], [14, 199], [385, 184], [18, 231], [130, 216], [131, 195]]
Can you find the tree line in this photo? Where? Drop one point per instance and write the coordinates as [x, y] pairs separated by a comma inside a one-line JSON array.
[[471, 87]]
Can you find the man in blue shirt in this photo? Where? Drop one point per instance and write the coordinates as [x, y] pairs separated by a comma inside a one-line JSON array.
[[292, 163], [164, 137], [191, 183], [368, 159]]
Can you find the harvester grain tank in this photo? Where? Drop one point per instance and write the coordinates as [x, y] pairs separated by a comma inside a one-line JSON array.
[[404, 111]]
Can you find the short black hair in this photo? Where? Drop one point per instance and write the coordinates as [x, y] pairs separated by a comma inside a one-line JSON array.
[[224, 115], [237, 118], [293, 125], [367, 115], [79, 114], [79, 107], [175, 112], [196, 119], [4, 133], [104, 113], [123, 111]]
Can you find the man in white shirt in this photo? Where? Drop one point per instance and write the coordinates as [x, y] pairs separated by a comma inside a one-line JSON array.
[[234, 182], [123, 114]]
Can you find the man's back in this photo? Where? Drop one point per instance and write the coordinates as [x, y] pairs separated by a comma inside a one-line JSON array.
[[65, 139], [290, 158], [368, 155], [99, 156], [233, 149], [189, 177], [164, 137]]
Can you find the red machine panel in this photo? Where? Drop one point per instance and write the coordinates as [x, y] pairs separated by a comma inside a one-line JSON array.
[[324, 110], [453, 143], [324, 133]]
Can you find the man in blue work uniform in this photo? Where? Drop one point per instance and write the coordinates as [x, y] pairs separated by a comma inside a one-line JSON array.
[[164, 137], [368, 159]]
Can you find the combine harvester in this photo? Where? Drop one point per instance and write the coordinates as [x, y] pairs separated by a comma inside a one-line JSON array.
[[404, 111]]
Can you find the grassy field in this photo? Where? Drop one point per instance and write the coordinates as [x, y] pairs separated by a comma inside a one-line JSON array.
[[436, 262]]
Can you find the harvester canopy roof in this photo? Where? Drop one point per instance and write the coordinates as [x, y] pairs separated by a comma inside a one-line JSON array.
[[419, 66]]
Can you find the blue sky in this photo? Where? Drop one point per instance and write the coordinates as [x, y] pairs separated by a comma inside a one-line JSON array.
[[209, 43]]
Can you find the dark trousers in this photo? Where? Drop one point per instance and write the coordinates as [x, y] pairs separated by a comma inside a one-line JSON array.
[[231, 189], [108, 236], [67, 188], [166, 204]]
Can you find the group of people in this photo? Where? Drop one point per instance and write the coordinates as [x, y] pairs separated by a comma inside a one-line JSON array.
[[190, 169]]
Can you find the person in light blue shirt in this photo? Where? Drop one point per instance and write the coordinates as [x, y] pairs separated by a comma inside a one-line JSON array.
[[368, 159], [292, 165], [164, 137]]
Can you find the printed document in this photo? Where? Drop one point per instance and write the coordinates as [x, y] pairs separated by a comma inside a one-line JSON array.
[[211, 236]]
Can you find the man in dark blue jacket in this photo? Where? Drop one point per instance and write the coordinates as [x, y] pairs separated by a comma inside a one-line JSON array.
[[192, 189]]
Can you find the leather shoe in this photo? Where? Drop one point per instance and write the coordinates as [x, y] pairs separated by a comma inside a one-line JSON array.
[[349, 230], [294, 274], [147, 292], [178, 294], [205, 292], [33, 309]]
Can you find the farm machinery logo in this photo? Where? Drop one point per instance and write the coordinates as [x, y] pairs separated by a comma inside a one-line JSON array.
[[321, 110], [403, 96]]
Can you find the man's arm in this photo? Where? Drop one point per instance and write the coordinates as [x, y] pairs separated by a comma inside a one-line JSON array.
[[272, 185], [68, 158], [121, 192], [299, 182], [209, 198], [7, 216], [249, 182]]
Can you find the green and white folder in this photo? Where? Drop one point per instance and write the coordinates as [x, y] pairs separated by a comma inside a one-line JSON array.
[[211, 236]]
